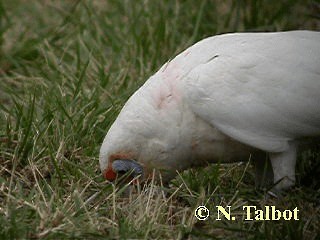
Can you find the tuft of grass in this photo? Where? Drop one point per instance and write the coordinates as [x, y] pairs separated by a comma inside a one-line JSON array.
[[67, 68]]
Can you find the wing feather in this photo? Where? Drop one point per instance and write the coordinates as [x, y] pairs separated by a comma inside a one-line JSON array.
[[261, 90]]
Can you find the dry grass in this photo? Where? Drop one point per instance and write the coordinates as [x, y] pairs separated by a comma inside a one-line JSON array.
[[66, 69]]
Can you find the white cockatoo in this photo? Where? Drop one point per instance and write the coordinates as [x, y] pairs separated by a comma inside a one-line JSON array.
[[224, 99]]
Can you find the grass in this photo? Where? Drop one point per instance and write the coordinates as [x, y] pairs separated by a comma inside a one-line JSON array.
[[67, 68]]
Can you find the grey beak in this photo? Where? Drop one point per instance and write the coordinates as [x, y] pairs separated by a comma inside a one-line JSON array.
[[123, 166]]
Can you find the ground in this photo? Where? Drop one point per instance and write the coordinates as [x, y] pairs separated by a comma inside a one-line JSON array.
[[67, 68]]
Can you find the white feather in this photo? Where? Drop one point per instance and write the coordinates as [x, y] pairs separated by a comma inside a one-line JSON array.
[[222, 99], [262, 89]]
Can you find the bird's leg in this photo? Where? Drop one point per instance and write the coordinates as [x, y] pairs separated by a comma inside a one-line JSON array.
[[283, 165], [263, 171]]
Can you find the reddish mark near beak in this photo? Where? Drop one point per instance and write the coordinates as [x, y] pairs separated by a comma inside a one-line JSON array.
[[110, 175]]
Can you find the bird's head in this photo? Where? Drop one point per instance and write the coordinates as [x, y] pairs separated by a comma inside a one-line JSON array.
[[141, 164], [135, 149], [119, 155], [151, 135], [146, 140], [139, 150]]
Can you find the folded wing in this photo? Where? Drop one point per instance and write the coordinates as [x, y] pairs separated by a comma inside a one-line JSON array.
[[261, 90]]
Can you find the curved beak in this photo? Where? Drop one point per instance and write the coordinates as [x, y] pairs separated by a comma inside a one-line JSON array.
[[122, 167]]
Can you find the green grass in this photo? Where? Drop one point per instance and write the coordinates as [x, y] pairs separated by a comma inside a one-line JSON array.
[[67, 68]]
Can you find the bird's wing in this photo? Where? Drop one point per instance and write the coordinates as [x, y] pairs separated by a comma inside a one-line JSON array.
[[258, 92]]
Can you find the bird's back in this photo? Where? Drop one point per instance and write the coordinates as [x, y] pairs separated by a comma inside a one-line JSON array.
[[259, 88]]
